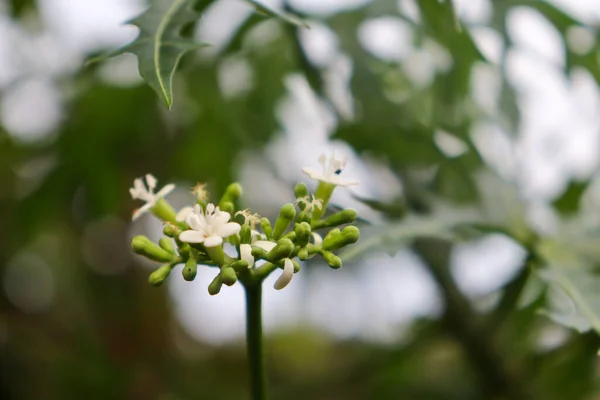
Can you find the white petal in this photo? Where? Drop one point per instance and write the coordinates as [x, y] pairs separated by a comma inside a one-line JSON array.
[[228, 229], [265, 245], [246, 254], [151, 181], [136, 214], [317, 239], [191, 237], [142, 210], [183, 213], [210, 208], [138, 184], [312, 173], [165, 190], [322, 159], [221, 217], [193, 221], [286, 276], [213, 241]]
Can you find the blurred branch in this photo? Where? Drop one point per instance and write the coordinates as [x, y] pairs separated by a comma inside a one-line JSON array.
[[499, 378]]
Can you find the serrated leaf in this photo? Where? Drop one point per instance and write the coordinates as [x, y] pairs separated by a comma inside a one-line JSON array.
[[160, 45], [286, 17]]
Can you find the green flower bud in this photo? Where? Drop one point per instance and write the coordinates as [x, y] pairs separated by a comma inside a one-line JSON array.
[[333, 260], [159, 276], [227, 206], [143, 246], [282, 250], [215, 286], [303, 217], [301, 190], [245, 234], [259, 252], [163, 211], [239, 265], [343, 217], [286, 215], [232, 194], [228, 276], [303, 254], [290, 235], [296, 266], [171, 230], [339, 239], [184, 250], [303, 232], [265, 224], [167, 244], [190, 269]]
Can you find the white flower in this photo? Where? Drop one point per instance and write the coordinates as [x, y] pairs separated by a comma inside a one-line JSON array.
[[288, 266], [331, 167], [208, 227], [183, 213], [141, 192]]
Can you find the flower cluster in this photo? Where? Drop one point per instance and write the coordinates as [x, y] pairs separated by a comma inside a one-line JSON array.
[[196, 234]]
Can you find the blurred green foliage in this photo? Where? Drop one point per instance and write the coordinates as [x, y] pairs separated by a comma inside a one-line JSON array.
[[114, 337]]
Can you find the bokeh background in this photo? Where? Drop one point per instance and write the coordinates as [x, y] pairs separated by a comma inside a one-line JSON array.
[[492, 105]]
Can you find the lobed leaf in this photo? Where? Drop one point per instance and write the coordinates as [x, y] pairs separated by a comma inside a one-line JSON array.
[[160, 44]]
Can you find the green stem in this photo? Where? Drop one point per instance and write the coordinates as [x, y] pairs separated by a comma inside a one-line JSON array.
[[254, 343]]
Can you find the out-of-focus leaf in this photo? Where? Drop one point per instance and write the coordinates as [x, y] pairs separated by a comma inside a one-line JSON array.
[[392, 237], [281, 15], [568, 202], [574, 297], [392, 210], [17, 7], [160, 44]]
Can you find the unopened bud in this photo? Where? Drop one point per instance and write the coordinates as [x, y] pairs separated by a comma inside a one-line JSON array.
[[245, 234], [303, 254], [301, 190], [159, 276], [143, 246], [190, 269], [227, 206], [239, 265], [343, 217], [171, 230], [333, 260], [282, 250], [167, 244], [337, 240], [303, 232], [286, 215], [232, 193], [228, 276], [258, 252], [265, 224], [215, 286]]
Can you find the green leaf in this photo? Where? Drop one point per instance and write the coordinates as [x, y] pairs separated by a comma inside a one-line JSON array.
[[160, 45], [574, 297], [286, 17], [568, 202], [392, 237]]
